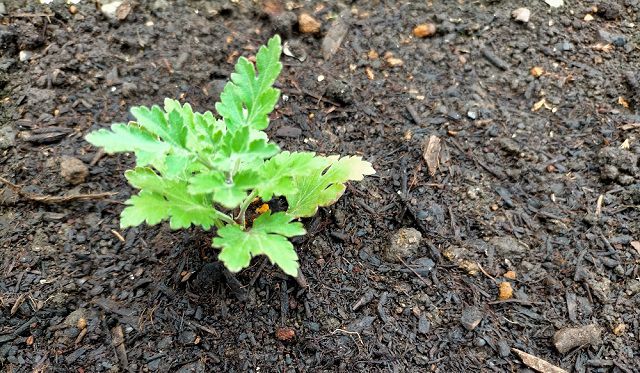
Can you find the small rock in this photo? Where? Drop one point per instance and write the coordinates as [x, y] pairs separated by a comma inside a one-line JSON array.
[[7, 137], [393, 61], [129, 89], [521, 15], [568, 338], [508, 247], [471, 317], [288, 131], [505, 291], [75, 317], [339, 91], [423, 325], [25, 56], [73, 9], [3, 9], [565, 46], [285, 333], [618, 40], [554, 3], [404, 244], [424, 30], [187, 337], [307, 24], [110, 9], [160, 5], [73, 170], [503, 348]]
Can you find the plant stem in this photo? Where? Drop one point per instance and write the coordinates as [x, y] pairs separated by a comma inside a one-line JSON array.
[[243, 207], [224, 217], [205, 162]]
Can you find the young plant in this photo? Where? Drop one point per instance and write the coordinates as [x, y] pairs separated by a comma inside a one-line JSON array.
[[196, 169]]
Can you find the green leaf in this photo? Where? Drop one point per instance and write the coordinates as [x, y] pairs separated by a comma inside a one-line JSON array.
[[248, 99], [268, 236], [146, 207], [171, 130], [169, 196], [277, 174], [228, 193], [130, 138], [241, 149], [325, 185]]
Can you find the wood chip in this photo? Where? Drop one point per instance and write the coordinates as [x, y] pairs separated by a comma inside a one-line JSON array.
[[333, 39], [536, 363], [431, 153], [636, 245]]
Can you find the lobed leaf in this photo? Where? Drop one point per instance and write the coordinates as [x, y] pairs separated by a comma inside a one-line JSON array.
[[227, 192], [170, 199], [267, 236], [324, 185], [248, 99]]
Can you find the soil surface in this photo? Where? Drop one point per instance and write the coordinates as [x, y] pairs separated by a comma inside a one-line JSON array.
[[503, 215]]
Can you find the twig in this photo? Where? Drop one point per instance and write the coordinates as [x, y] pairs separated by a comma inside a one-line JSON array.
[[204, 328], [413, 270], [350, 333], [485, 273], [55, 199]]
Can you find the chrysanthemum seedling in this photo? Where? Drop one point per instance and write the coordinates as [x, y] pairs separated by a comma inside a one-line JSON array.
[[196, 169]]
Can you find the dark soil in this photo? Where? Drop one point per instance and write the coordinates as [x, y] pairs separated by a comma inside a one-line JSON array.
[[551, 194]]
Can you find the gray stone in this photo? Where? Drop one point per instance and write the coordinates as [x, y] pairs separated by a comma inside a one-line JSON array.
[[568, 338], [404, 243], [7, 137], [73, 170], [471, 317]]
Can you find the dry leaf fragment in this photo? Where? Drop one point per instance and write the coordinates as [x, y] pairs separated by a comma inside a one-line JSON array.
[[123, 10], [636, 245], [263, 208], [537, 71], [431, 154], [370, 73], [333, 39], [622, 101], [620, 329], [536, 363], [538, 105], [625, 144]]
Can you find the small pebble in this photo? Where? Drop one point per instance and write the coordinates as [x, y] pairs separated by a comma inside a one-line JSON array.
[[308, 25], [471, 317], [25, 56], [424, 30], [404, 244], [521, 15], [568, 338], [73, 170]]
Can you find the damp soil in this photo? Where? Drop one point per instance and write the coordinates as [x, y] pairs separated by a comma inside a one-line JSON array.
[[506, 177]]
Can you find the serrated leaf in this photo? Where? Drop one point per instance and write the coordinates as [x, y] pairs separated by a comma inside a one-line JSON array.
[[325, 185], [171, 130], [268, 236], [182, 208], [276, 174], [129, 138], [229, 193], [241, 149], [146, 207], [248, 99]]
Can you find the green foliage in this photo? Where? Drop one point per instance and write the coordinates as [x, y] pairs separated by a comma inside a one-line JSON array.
[[195, 169]]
